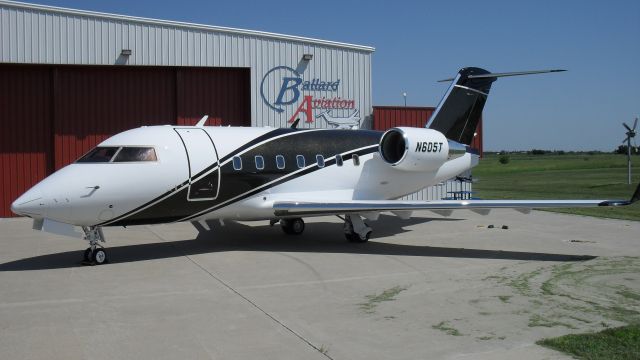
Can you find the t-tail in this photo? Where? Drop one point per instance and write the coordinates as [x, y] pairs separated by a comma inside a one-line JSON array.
[[459, 111]]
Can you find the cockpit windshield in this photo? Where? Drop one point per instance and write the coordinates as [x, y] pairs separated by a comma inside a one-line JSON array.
[[105, 154], [99, 155], [128, 154]]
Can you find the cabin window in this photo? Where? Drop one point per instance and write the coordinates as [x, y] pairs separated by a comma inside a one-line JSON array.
[[280, 162], [136, 154], [339, 160], [356, 159], [99, 155], [259, 162], [300, 161], [320, 161], [237, 163]]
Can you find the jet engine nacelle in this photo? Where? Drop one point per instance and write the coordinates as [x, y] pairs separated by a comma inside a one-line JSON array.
[[414, 149]]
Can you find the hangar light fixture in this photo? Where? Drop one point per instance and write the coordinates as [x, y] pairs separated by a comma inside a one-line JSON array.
[[125, 52], [307, 57]]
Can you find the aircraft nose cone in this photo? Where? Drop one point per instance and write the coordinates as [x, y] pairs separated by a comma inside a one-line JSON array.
[[31, 203]]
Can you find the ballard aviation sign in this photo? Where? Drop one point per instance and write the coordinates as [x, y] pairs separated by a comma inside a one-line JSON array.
[[292, 84]]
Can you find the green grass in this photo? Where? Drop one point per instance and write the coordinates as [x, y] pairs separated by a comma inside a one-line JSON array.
[[447, 328], [611, 344], [374, 300], [570, 176], [540, 321]]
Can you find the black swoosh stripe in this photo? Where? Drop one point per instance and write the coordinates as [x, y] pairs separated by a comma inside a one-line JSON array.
[[176, 207], [261, 138], [282, 180]]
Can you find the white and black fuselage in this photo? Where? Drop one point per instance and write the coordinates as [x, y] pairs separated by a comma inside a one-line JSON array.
[[227, 173]]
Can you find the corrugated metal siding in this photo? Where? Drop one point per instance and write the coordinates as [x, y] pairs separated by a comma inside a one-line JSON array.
[[353, 69], [223, 94], [440, 191], [43, 35], [477, 143], [25, 130], [386, 117], [93, 103]]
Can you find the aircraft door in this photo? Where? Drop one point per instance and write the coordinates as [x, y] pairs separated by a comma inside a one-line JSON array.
[[204, 170]]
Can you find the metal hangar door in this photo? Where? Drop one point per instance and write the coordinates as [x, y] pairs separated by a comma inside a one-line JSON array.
[[51, 115]]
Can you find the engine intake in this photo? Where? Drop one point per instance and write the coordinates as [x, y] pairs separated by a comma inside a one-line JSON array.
[[414, 149]]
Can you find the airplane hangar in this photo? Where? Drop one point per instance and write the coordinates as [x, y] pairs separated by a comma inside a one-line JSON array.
[[71, 78]]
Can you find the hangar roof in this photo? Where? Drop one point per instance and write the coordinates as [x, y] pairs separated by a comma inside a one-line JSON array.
[[179, 24]]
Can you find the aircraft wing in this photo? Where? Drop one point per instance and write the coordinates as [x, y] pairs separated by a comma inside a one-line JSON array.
[[303, 208]]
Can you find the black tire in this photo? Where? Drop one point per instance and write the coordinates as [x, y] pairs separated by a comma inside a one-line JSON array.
[[354, 237], [99, 256], [297, 226], [292, 226], [87, 255], [285, 225]]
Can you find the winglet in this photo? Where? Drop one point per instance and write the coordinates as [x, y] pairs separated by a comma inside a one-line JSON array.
[[636, 195], [202, 121], [634, 198]]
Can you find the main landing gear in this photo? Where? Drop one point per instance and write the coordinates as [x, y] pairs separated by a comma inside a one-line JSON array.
[[292, 226], [95, 254], [356, 230]]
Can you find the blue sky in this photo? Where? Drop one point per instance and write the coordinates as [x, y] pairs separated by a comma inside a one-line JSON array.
[[420, 42]]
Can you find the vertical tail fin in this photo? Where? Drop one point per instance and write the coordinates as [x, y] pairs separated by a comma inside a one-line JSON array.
[[459, 111]]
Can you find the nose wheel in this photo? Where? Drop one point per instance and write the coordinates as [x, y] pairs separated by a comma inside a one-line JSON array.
[[95, 254]]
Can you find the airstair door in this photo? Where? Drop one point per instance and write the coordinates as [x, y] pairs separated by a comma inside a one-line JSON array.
[[204, 170]]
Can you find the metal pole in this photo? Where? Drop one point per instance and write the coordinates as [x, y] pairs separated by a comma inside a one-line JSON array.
[[629, 160]]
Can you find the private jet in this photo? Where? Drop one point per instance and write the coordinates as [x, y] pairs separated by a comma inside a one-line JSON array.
[[165, 174]]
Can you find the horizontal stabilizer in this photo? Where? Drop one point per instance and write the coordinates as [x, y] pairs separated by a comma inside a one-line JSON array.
[[506, 74], [459, 112]]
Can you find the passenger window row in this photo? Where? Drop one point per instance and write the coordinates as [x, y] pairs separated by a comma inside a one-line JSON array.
[[300, 161]]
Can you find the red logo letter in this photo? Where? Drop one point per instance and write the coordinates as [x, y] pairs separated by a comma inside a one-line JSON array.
[[308, 110]]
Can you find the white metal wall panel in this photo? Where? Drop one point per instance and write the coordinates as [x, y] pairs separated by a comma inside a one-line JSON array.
[[47, 35], [439, 192], [443, 190]]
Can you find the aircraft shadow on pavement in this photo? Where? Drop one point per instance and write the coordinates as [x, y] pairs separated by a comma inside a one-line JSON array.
[[319, 237]]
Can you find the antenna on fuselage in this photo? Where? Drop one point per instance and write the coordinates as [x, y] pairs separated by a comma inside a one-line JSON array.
[[202, 121], [295, 124]]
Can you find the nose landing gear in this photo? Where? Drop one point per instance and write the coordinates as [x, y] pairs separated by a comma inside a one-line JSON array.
[[95, 254]]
